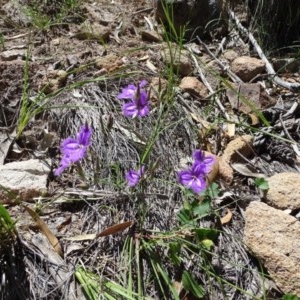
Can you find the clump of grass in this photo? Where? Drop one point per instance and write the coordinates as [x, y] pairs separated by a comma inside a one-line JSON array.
[[48, 13], [275, 22]]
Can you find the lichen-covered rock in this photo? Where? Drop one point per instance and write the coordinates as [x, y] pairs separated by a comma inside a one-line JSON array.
[[273, 237], [283, 190]]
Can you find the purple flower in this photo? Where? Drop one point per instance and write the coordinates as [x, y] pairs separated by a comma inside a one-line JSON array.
[[139, 104], [206, 162], [193, 178], [64, 163], [139, 107], [130, 92], [133, 177], [74, 150]]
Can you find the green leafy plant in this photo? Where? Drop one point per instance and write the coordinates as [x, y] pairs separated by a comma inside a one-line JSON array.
[[261, 183], [290, 297], [7, 228], [2, 40]]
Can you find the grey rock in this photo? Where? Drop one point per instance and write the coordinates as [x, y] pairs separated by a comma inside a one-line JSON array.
[[26, 179], [13, 54]]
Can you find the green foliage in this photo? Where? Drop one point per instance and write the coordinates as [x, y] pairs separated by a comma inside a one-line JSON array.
[[44, 15], [262, 183], [191, 285], [193, 209], [174, 253], [89, 282], [7, 228], [275, 22], [2, 40], [290, 297]]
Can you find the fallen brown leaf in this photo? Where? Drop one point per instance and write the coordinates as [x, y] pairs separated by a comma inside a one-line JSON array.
[[45, 230], [115, 228]]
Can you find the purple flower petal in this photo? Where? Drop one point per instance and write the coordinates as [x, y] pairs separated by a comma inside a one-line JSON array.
[[64, 163], [143, 100], [84, 136], [193, 179], [143, 111], [143, 83], [185, 177], [198, 185], [128, 92], [133, 177], [139, 105], [74, 150], [133, 109], [207, 162], [199, 169], [130, 109]]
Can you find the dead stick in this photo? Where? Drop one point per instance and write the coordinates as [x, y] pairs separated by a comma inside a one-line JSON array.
[[294, 87], [208, 86]]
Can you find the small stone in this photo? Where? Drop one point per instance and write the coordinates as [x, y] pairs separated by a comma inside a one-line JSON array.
[[110, 62], [13, 54], [230, 55], [53, 81], [193, 86], [72, 60], [286, 65], [283, 190], [212, 73], [55, 42], [93, 31], [247, 67], [26, 179], [196, 16], [273, 237], [225, 172]]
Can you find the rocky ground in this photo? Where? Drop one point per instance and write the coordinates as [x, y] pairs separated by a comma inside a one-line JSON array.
[[58, 73]]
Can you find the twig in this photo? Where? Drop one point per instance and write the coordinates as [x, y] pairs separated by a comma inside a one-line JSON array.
[[294, 87], [208, 86], [221, 47], [291, 111], [234, 77], [16, 37]]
